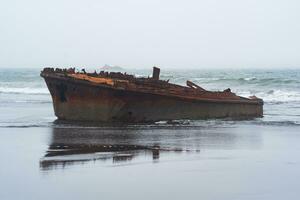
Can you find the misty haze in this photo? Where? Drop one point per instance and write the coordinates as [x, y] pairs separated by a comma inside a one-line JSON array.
[[173, 34]]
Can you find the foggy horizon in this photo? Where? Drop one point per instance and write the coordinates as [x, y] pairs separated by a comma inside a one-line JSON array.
[[140, 34]]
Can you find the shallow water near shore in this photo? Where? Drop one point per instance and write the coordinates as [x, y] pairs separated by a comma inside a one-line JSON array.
[[42, 158]]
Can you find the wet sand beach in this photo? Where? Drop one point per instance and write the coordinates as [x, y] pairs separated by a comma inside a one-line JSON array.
[[218, 162]]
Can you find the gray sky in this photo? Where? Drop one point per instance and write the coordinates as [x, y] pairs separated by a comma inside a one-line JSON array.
[[137, 33]]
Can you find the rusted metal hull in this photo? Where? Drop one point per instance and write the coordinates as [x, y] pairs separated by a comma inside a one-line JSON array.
[[80, 100]]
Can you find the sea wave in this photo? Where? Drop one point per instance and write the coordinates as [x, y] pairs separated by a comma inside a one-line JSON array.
[[188, 124], [27, 101], [24, 90], [276, 123], [273, 95], [251, 80]]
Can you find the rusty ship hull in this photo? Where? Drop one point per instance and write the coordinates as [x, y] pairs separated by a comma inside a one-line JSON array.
[[82, 97]]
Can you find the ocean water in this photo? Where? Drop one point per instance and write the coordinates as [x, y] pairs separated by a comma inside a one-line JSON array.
[[42, 158]]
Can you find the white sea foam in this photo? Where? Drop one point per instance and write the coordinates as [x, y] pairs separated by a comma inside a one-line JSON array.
[[274, 95], [25, 90], [250, 78]]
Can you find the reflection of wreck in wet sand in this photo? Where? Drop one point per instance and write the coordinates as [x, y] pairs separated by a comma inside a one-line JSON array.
[[64, 154], [70, 149], [121, 97], [71, 144]]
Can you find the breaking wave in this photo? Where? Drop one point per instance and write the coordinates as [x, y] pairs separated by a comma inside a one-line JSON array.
[[247, 80], [31, 101], [273, 95], [26, 90]]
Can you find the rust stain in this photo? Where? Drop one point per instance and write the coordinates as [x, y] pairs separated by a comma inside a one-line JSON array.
[[107, 81]]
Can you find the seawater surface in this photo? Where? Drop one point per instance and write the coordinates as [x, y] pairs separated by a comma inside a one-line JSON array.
[[42, 158]]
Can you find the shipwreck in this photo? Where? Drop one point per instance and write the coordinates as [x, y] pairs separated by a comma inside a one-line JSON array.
[[119, 97]]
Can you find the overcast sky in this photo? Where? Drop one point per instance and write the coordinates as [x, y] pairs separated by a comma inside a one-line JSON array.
[[137, 33]]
